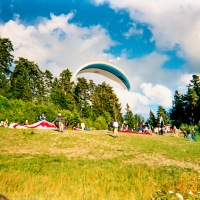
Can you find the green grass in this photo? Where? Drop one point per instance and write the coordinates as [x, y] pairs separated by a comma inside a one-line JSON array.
[[84, 165]]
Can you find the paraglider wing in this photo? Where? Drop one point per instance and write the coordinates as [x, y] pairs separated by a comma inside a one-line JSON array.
[[105, 69]]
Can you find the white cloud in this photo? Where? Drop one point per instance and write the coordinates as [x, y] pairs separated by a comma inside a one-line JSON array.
[[133, 31], [56, 44], [138, 103], [157, 94], [184, 81], [175, 24]]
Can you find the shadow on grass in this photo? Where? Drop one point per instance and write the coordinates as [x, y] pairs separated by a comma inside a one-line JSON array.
[[111, 135]]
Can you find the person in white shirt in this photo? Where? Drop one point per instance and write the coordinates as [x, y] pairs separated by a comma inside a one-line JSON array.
[[116, 126]]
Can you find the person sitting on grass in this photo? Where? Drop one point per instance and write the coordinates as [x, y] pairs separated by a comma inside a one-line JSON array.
[[42, 117]]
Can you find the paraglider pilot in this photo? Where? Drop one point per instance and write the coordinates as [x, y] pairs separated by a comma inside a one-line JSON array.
[[58, 122]]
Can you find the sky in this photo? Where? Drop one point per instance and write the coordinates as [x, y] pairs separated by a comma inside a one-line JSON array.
[[154, 42]]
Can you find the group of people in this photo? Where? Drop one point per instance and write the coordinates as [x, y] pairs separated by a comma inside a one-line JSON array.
[[58, 121], [4, 123], [191, 135]]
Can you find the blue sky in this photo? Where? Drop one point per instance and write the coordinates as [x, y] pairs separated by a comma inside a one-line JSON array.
[[153, 42]]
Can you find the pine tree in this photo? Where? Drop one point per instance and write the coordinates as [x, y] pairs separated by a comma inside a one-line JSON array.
[[6, 59], [26, 81], [82, 97], [129, 118], [193, 99], [152, 119], [57, 95], [178, 111], [191, 104], [68, 88], [162, 116]]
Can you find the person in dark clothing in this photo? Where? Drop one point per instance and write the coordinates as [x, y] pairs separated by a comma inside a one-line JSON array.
[[185, 133], [66, 122]]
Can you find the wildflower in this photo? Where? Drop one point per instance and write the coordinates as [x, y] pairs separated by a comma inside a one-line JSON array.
[[154, 183], [179, 196], [171, 192], [190, 192]]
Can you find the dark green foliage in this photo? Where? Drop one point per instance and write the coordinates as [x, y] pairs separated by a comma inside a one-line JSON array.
[[18, 111], [82, 97], [6, 59], [152, 119], [4, 107], [59, 98], [129, 118], [67, 87], [162, 116], [177, 108], [138, 121], [133, 121], [104, 99], [26, 81], [186, 108], [100, 123]]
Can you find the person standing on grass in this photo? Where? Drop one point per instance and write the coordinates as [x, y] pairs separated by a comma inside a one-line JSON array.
[[194, 135], [176, 132], [116, 126], [58, 122]]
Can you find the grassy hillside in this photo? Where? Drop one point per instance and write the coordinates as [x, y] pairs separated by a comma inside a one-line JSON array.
[[84, 165]]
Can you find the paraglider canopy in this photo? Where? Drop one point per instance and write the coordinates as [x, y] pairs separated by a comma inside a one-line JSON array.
[[106, 69]]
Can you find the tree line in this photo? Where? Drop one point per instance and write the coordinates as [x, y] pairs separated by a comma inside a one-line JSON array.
[[186, 107], [27, 91]]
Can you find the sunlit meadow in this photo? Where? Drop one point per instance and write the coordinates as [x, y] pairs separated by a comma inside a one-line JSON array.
[[84, 165]]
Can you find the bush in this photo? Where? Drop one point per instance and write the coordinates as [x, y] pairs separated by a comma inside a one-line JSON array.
[[18, 111], [100, 123]]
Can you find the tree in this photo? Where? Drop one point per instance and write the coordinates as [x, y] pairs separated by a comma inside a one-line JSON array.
[[48, 81], [129, 118], [104, 100], [152, 119], [26, 81], [68, 88], [82, 97], [193, 98], [139, 120], [178, 111], [6, 59], [192, 102], [162, 116], [57, 95]]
